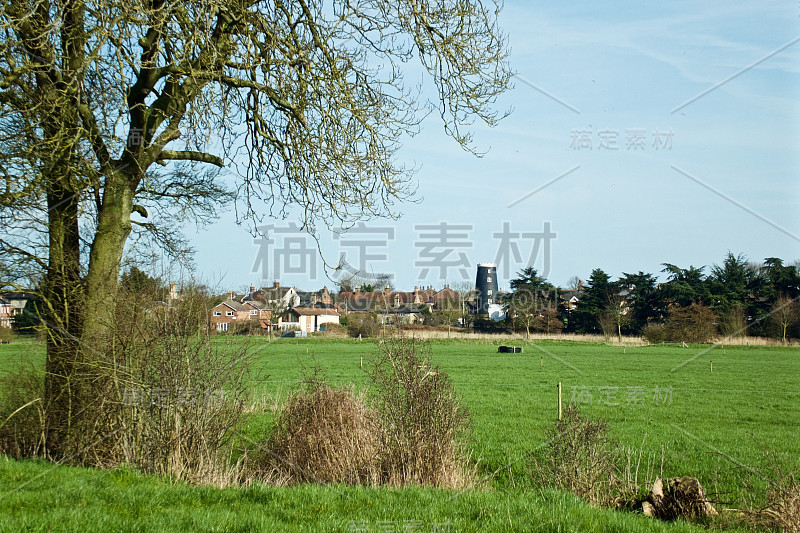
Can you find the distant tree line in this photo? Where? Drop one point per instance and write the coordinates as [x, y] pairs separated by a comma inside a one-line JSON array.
[[693, 304]]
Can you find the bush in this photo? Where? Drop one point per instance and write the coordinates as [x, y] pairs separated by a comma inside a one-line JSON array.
[[362, 325], [412, 434], [322, 435], [578, 457], [176, 398], [693, 323], [654, 333], [424, 422], [181, 402], [334, 330], [732, 322]]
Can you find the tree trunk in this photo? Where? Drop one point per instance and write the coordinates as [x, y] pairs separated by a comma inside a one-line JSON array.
[[105, 258], [81, 317], [62, 295]]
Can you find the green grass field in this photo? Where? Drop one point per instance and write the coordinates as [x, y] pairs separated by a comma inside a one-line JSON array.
[[655, 398]]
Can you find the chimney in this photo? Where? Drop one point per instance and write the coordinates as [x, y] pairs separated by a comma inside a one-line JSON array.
[[357, 289], [275, 284], [387, 290], [252, 289], [580, 284]]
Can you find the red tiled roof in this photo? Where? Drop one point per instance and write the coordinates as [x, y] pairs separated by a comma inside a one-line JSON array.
[[310, 311]]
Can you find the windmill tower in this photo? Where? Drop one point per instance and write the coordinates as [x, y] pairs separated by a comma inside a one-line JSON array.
[[486, 287]]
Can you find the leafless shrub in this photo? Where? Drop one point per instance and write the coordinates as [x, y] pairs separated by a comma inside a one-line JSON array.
[[178, 398], [607, 325], [732, 322], [410, 435], [578, 457], [160, 397], [693, 323], [322, 435], [424, 422]]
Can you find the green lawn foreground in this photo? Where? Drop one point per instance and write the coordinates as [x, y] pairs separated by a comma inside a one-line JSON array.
[[40, 497], [653, 396]]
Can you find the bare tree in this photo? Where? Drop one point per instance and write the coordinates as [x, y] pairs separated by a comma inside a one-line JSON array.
[[573, 283], [616, 315], [784, 315], [117, 116], [465, 291]]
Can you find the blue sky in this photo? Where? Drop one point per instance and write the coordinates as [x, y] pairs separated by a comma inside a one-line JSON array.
[[638, 136]]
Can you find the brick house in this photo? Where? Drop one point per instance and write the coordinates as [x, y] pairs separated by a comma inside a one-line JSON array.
[[229, 313], [11, 305]]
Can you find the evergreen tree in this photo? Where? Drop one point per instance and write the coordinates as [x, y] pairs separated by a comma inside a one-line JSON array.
[[643, 297], [594, 301]]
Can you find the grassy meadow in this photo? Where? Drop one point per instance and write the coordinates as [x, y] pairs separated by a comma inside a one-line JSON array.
[[664, 405]]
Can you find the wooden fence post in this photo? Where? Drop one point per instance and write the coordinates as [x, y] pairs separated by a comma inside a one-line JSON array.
[[559, 400]]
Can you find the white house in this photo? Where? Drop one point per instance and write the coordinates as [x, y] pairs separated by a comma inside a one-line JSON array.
[[308, 318]]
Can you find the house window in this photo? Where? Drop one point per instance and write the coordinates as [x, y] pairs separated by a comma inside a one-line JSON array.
[[253, 312], [489, 292], [489, 279], [222, 326], [228, 313], [217, 313], [489, 301]]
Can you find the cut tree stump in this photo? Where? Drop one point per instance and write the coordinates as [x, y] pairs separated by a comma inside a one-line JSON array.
[[677, 497]]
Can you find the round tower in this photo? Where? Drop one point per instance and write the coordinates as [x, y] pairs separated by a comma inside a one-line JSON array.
[[486, 286]]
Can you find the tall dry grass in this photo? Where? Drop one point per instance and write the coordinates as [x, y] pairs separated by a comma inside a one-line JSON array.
[[322, 435], [781, 510], [424, 423], [410, 430]]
